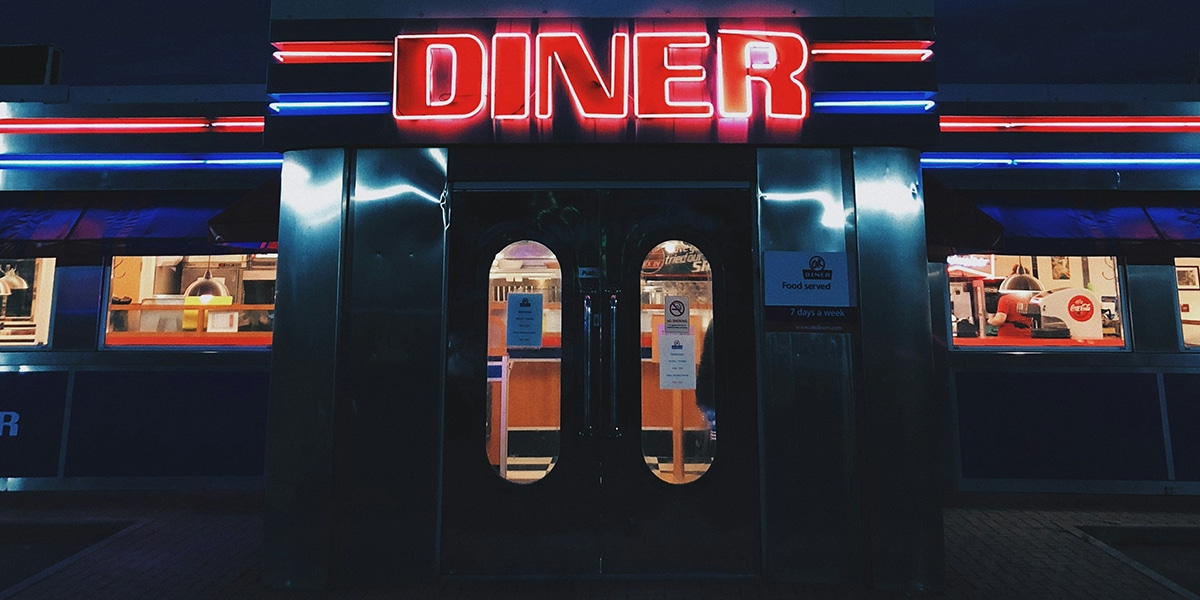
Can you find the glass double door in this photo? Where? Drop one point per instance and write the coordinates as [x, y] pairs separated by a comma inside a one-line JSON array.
[[600, 408]]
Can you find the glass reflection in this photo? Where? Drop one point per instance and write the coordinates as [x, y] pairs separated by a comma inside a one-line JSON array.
[[679, 416], [524, 370]]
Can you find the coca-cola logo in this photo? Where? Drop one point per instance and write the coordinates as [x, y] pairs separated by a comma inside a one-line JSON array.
[[1081, 308]]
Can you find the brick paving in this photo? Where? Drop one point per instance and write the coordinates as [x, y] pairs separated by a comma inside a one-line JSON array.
[[997, 547]]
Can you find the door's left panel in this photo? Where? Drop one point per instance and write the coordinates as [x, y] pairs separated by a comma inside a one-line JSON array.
[[520, 483]]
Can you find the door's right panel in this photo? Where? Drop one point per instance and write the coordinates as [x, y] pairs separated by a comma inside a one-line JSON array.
[[698, 515]]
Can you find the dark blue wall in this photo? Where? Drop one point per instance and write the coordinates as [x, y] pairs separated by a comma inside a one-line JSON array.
[[1183, 413], [1061, 425], [31, 447], [168, 423]]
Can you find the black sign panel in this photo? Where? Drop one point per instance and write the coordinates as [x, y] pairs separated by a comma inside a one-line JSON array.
[[802, 81], [31, 422]]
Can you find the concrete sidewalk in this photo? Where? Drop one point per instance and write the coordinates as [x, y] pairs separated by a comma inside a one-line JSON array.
[[206, 546]]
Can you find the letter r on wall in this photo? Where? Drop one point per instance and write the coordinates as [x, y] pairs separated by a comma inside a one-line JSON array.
[[8, 423]]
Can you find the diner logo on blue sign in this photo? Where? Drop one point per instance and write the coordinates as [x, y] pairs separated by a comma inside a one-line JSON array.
[[816, 269]]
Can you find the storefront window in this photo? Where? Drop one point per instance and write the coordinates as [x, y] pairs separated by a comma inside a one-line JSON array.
[[225, 300], [26, 292], [1187, 281], [1035, 301]]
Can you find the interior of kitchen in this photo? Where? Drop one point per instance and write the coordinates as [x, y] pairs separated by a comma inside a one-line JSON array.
[[217, 300]]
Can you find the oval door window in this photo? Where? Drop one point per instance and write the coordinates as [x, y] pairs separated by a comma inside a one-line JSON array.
[[524, 369], [679, 418]]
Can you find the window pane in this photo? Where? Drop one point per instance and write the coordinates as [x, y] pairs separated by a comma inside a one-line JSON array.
[[26, 290], [1187, 281], [524, 362], [1035, 301], [225, 300], [679, 412]]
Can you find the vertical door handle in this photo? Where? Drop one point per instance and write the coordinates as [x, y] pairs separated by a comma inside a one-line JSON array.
[[614, 431], [587, 366]]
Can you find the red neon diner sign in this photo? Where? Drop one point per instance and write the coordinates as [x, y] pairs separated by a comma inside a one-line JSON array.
[[647, 75]]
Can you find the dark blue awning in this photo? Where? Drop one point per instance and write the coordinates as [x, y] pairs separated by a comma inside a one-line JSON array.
[[44, 223], [1164, 223]]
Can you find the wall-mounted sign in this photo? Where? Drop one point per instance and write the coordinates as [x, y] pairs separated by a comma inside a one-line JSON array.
[[723, 80], [650, 75], [806, 279], [524, 321], [808, 291]]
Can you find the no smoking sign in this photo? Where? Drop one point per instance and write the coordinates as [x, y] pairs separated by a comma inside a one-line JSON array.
[[675, 318]]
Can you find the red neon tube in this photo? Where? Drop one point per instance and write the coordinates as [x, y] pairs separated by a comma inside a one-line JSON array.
[[881, 51], [1069, 124], [332, 52], [77, 125]]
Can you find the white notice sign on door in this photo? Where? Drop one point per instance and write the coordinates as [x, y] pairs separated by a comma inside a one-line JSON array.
[[524, 321], [677, 362]]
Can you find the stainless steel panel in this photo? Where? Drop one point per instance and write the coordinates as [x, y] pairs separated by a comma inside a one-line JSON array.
[[392, 364], [810, 480], [801, 201], [902, 501], [296, 522], [813, 524]]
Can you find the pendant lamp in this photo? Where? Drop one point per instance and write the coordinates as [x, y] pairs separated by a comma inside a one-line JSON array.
[[1021, 281], [206, 286], [5, 292], [12, 280]]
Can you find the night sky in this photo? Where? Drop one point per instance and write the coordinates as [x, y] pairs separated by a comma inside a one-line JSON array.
[[155, 42]]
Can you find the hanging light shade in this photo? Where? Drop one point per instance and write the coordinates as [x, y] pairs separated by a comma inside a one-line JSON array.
[[1020, 281], [14, 281], [5, 290], [206, 286]]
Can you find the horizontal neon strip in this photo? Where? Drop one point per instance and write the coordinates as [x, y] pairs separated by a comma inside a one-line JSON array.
[[823, 102], [44, 126], [332, 52], [881, 51], [872, 102], [995, 160], [147, 162], [348, 103], [1070, 124], [373, 52]]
